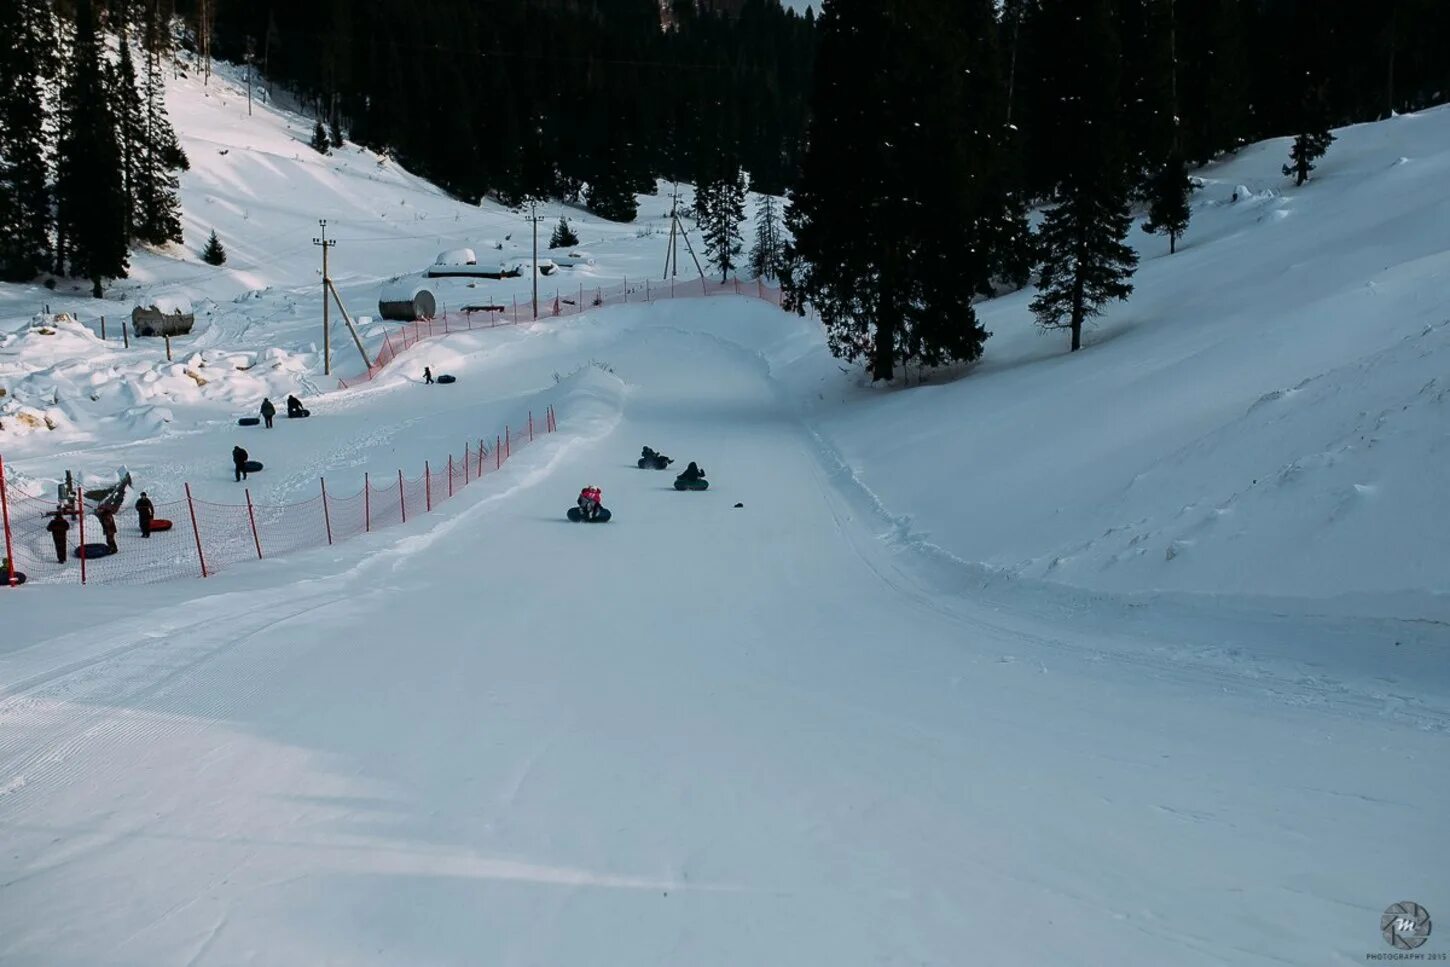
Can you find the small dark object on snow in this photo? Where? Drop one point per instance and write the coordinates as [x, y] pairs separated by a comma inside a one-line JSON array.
[[445, 378], [251, 466], [739, 505], [249, 421], [577, 516], [93, 551]]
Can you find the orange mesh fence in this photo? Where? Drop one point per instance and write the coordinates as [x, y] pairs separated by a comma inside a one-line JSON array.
[[194, 537], [569, 302]]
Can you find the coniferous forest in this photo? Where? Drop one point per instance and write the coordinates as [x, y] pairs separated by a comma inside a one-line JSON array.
[[911, 136]]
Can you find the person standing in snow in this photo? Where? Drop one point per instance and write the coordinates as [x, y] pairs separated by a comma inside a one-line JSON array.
[[239, 461], [58, 528], [106, 514], [427, 376], [145, 513], [294, 406], [268, 411]]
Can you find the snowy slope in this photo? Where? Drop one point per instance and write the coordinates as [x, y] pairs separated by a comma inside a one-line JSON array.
[[1266, 416], [847, 722]]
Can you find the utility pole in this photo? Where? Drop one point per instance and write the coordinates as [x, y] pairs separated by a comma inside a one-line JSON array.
[[534, 218], [326, 244], [251, 56]]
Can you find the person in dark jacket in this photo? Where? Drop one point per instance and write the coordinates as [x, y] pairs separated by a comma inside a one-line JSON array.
[[106, 514], [692, 473], [294, 406], [427, 376], [268, 411], [58, 528], [145, 513], [239, 461]]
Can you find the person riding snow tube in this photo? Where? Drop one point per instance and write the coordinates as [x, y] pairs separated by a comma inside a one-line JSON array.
[[692, 479], [650, 459], [589, 501]]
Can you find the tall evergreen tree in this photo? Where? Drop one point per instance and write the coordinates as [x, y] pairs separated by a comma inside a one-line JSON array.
[[320, 142], [767, 255], [92, 206], [719, 209], [1085, 261], [28, 31], [903, 194], [1168, 194], [159, 205], [214, 253], [131, 133], [1314, 136]]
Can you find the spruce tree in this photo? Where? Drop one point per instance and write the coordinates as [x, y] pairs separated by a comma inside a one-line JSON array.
[[131, 132], [28, 31], [903, 188], [1085, 261], [719, 209], [92, 206], [767, 256], [1314, 138], [564, 235], [1168, 194], [214, 254], [335, 135], [158, 218], [320, 142]]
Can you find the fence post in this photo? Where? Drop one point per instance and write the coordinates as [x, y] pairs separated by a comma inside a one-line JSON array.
[[402, 501], [191, 506], [508, 447], [367, 505], [579, 306], [81, 520], [326, 516], [626, 288], [531, 426], [497, 452], [103, 328], [450, 475], [253, 519], [167, 336], [466, 461], [125, 336], [480, 459], [427, 488], [5, 515]]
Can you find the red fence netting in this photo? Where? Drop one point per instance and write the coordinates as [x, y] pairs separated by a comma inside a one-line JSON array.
[[206, 537], [563, 303]]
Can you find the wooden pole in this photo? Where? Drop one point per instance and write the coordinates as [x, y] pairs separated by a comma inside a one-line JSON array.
[[167, 337], [402, 502], [125, 336], [326, 243], [191, 506], [103, 328], [5, 516], [326, 517], [81, 520], [427, 488], [367, 505], [253, 518]]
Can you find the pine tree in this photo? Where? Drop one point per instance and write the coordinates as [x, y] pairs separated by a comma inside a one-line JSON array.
[[158, 211], [564, 236], [131, 132], [1085, 262], [610, 194], [767, 256], [335, 136], [903, 190], [1168, 194], [92, 205], [28, 29], [719, 209], [320, 142], [1315, 137], [214, 254]]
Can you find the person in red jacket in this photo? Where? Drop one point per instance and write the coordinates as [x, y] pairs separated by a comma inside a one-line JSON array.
[[589, 499]]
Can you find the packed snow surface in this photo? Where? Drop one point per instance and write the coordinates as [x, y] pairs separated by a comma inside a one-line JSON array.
[[1132, 656]]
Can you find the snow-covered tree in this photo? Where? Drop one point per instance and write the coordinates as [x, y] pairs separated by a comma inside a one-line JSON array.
[[767, 255], [719, 209], [564, 235]]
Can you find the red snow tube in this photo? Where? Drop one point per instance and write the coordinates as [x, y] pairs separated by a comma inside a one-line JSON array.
[[160, 524]]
